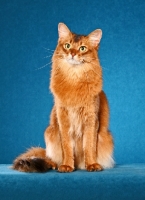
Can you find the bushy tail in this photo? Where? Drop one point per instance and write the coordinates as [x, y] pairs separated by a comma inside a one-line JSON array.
[[34, 160]]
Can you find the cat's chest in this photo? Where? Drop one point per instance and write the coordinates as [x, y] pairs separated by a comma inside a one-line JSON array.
[[76, 90], [71, 94], [76, 120]]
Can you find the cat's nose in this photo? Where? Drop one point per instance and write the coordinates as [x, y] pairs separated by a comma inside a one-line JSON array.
[[73, 54]]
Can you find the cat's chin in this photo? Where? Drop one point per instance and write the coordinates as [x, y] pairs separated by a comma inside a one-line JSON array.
[[74, 62]]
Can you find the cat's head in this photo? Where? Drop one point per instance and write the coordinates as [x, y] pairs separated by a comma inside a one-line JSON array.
[[77, 49]]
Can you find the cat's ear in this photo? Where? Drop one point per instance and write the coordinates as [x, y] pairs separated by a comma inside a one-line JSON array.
[[63, 30], [95, 37]]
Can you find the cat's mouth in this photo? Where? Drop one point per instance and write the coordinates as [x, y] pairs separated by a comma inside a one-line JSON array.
[[73, 61]]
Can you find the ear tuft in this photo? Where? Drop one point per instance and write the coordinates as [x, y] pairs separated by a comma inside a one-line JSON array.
[[63, 30], [95, 37]]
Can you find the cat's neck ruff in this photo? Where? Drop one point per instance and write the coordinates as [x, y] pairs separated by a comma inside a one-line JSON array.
[[77, 72]]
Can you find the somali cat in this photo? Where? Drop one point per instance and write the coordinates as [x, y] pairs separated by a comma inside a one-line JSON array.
[[78, 136]]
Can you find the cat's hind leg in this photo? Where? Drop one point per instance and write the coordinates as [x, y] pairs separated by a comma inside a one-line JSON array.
[[105, 140], [53, 141], [53, 145], [105, 150]]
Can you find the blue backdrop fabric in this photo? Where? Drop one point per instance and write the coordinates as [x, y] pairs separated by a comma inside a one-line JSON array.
[[124, 182], [28, 36]]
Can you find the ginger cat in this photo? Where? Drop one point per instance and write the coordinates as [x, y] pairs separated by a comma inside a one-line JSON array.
[[78, 136]]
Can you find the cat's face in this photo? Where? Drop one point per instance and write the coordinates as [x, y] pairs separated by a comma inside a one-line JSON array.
[[77, 49]]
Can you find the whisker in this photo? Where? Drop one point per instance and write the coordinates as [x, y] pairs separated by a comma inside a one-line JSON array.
[[46, 64], [90, 61], [90, 57], [93, 70], [96, 73], [43, 66], [48, 56], [48, 49], [59, 54], [101, 66], [52, 55]]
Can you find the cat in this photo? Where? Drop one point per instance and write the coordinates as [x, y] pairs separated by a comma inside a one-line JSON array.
[[78, 135]]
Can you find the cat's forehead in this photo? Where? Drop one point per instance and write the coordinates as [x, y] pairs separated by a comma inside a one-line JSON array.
[[77, 38]]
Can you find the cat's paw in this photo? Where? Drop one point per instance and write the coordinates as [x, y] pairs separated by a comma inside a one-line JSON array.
[[94, 167], [65, 168], [51, 164]]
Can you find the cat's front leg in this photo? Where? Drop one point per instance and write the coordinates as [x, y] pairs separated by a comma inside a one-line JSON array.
[[66, 140], [89, 142]]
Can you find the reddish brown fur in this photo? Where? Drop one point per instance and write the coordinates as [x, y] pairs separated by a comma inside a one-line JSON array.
[[25, 163], [78, 135]]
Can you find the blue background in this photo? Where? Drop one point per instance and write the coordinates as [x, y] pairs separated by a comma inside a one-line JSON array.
[[29, 28]]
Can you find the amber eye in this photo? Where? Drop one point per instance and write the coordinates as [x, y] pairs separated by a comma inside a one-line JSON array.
[[67, 46], [83, 48]]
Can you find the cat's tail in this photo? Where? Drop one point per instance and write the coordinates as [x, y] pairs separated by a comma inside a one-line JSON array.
[[34, 160]]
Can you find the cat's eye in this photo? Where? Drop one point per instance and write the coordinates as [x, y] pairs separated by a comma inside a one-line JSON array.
[[67, 46], [83, 49]]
